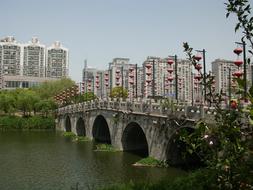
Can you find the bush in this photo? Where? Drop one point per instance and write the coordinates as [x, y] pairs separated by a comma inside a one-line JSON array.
[[20, 123]]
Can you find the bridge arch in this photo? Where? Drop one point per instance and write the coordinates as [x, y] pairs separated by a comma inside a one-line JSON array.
[[100, 130], [176, 153], [80, 127], [134, 140], [67, 124]]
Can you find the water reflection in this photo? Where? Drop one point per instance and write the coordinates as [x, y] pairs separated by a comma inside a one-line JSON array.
[[46, 160]]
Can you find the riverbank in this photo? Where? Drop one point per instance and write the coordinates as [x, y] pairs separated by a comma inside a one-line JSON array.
[[26, 123]]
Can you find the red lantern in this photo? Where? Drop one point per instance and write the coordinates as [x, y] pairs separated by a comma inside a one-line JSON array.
[[238, 63], [131, 69], [238, 51], [148, 66], [170, 61], [170, 79], [238, 74], [198, 67], [131, 82], [233, 104], [170, 70], [197, 57], [148, 80], [198, 77]]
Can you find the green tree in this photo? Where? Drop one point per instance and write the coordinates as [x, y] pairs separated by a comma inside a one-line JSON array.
[[51, 88], [44, 106], [26, 101], [119, 92], [7, 102]]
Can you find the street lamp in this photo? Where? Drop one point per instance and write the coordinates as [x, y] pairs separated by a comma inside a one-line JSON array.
[[153, 82], [238, 51], [170, 62]]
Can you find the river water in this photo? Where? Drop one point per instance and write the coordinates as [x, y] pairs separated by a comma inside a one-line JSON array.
[[47, 160]]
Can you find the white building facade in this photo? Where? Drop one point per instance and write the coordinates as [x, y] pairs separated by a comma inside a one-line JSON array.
[[57, 65], [34, 59]]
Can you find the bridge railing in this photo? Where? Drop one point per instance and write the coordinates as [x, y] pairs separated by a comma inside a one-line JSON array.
[[141, 107]]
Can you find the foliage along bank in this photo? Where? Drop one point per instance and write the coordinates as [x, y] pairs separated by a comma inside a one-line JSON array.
[[26, 123]]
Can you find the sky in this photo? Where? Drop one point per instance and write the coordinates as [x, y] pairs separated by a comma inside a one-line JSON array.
[[100, 30]]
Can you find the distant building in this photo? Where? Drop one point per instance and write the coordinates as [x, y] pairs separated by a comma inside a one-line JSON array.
[[34, 59], [154, 76], [10, 57], [57, 61], [123, 73], [26, 65], [220, 68]]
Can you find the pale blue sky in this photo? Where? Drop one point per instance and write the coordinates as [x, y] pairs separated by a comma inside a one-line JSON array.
[[99, 30]]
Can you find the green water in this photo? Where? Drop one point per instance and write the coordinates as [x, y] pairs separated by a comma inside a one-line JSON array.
[[47, 160]]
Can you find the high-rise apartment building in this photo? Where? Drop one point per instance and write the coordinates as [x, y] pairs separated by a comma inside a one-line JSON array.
[[94, 81], [154, 76], [160, 79], [184, 71], [220, 69], [26, 65], [34, 59], [57, 61], [10, 57], [123, 73]]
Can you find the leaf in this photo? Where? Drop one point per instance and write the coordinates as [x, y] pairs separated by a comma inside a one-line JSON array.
[[251, 90], [248, 60], [240, 82], [237, 26], [227, 15]]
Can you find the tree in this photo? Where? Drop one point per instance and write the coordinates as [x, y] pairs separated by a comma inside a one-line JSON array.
[[225, 148], [26, 101], [7, 102], [119, 92], [44, 106], [51, 88]]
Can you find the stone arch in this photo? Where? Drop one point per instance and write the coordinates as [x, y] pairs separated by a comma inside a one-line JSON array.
[[176, 154], [80, 127], [67, 124], [134, 140], [100, 130]]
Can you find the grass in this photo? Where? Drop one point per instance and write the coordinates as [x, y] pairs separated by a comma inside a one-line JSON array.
[[81, 139], [105, 147], [150, 161], [76, 138], [69, 134]]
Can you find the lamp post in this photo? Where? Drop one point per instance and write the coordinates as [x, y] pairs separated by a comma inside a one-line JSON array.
[[238, 52], [229, 87], [136, 78], [203, 52], [176, 76], [122, 81]]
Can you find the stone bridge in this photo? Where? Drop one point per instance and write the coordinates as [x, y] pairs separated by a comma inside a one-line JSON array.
[[146, 127]]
